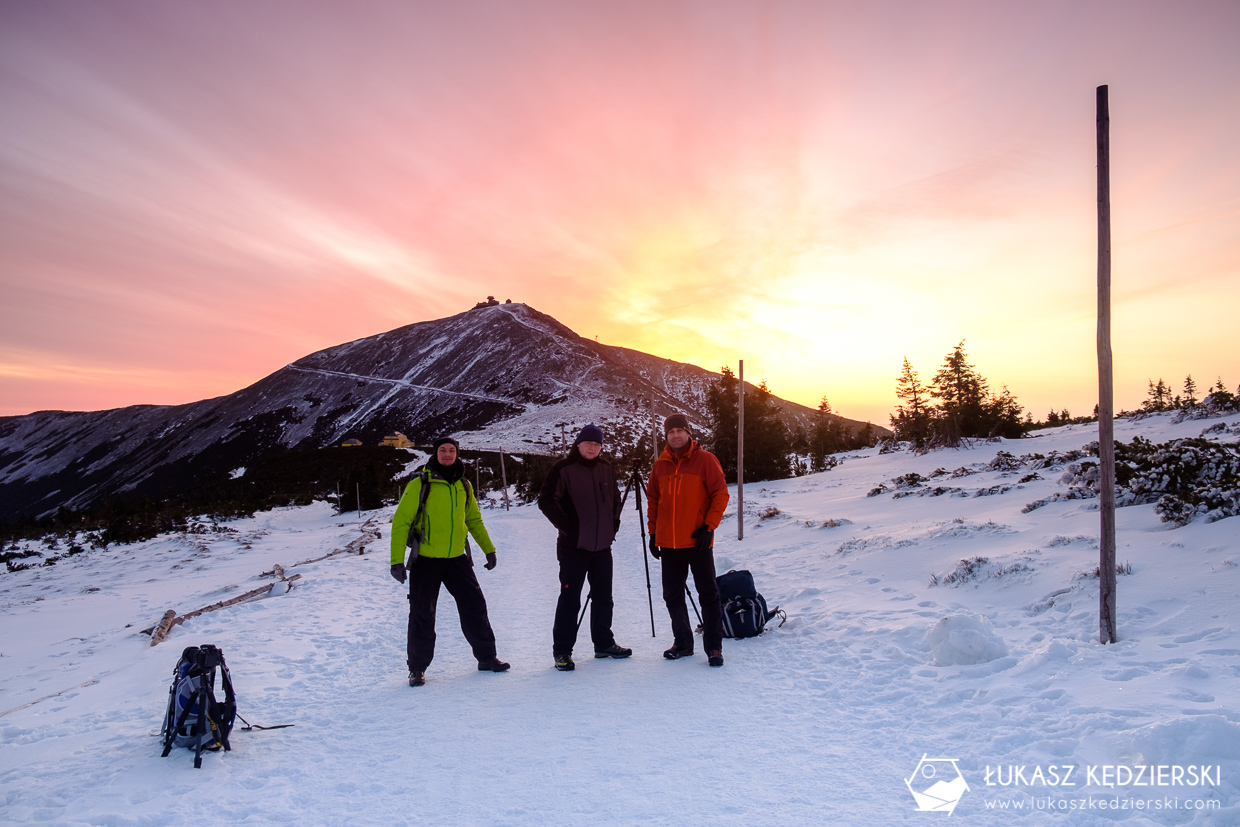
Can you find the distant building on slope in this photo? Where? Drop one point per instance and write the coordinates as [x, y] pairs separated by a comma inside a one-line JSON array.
[[397, 440], [349, 443]]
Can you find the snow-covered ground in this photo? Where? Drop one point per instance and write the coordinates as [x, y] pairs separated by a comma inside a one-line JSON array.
[[818, 722]]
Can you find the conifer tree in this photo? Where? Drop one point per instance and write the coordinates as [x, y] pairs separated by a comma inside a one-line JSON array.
[[962, 393], [1220, 398], [825, 438], [721, 407], [767, 448], [1190, 392], [1159, 397], [912, 420]]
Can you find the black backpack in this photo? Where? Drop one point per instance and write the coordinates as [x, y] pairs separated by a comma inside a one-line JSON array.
[[744, 610], [195, 719]]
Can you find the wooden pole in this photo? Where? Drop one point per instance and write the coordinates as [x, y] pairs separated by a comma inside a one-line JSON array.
[[740, 452], [503, 474], [654, 435], [1106, 426]]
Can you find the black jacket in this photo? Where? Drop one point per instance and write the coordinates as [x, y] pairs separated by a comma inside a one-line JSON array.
[[581, 498]]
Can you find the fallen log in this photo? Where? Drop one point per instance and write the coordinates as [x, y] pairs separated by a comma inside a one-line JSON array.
[[164, 625], [171, 619]]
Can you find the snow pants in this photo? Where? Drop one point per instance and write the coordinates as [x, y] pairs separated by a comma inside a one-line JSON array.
[[576, 565], [677, 563], [456, 574]]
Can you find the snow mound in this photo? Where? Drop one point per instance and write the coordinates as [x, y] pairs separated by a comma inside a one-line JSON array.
[[964, 639], [1202, 740]]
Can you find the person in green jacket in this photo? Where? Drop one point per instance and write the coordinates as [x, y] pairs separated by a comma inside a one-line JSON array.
[[438, 557]]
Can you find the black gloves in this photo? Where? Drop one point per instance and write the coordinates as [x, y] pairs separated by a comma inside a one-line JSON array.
[[398, 572], [654, 548], [702, 538], [490, 564]]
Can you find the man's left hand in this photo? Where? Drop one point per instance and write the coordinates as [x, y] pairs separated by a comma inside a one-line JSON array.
[[703, 538], [490, 564]]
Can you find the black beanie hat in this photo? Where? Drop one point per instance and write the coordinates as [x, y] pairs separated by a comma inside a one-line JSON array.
[[590, 433], [444, 440], [676, 421]]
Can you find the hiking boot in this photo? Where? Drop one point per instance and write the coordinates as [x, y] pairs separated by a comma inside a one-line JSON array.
[[613, 651], [564, 663], [677, 652], [493, 665], [715, 657], [417, 678]]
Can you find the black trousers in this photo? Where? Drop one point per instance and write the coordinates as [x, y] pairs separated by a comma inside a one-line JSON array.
[[457, 576], [677, 563], [576, 565]]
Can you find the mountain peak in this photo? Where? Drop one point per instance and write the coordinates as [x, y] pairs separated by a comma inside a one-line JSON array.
[[496, 376]]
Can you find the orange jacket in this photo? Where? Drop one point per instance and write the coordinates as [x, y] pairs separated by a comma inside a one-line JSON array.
[[684, 492]]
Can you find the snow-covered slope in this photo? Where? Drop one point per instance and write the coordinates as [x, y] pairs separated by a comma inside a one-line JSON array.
[[501, 376], [876, 674]]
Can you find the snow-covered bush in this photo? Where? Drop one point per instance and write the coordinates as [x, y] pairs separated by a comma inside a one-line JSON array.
[[1185, 478], [964, 639]]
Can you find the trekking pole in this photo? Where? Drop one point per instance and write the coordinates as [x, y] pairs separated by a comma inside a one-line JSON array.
[[202, 720], [635, 482], [584, 606], [691, 603]]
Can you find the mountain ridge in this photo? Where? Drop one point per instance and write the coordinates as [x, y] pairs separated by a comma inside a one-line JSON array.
[[496, 376]]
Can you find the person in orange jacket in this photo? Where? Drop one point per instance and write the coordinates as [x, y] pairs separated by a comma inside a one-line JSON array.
[[686, 496]]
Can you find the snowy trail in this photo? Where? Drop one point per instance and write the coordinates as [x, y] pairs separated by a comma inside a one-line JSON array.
[[817, 722]]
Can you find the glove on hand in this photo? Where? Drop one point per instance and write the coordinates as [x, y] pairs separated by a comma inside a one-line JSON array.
[[398, 572], [702, 538], [654, 549], [490, 564]]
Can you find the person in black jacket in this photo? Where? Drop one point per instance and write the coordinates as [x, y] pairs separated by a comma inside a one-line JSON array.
[[580, 498]]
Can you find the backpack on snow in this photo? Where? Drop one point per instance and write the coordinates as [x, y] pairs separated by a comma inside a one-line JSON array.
[[195, 719], [744, 610]]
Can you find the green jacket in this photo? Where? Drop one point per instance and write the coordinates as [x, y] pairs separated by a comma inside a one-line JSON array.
[[444, 523]]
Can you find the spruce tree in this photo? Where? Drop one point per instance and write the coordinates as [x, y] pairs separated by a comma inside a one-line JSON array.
[[767, 445], [721, 407], [962, 393], [912, 420], [825, 436]]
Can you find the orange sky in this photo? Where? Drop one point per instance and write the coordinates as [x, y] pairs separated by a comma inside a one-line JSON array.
[[195, 194]]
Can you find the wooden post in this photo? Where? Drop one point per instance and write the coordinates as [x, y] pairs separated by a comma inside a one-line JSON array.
[[740, 452], [1106, 425], [503, 473], [359, 499], [477, 476], [654, 435]]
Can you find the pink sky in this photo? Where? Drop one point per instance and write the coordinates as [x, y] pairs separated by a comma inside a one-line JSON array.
[[195, 194]]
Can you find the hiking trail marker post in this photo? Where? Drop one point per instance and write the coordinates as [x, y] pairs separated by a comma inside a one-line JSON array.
[[503, 474], [1106, 424], [740, 451]]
